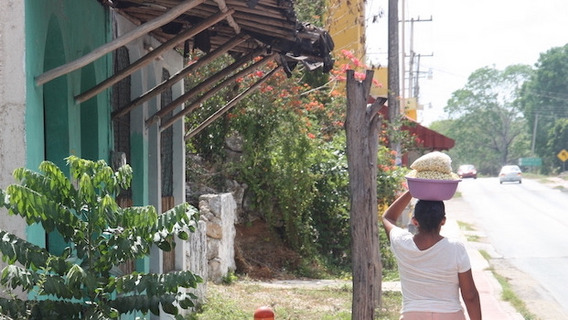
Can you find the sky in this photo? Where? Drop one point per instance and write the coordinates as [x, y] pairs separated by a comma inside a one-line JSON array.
[[464, 36]]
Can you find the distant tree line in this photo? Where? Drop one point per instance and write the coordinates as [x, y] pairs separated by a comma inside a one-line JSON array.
[[500, 116]]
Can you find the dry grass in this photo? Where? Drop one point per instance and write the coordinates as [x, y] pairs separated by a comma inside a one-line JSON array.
[[239, 300], [267, 264]]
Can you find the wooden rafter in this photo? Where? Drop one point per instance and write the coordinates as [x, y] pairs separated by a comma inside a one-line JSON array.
[[118, 42], [230, 104], [195, 104], [152, 55], [204, 85], [230, 20], [180, 75]]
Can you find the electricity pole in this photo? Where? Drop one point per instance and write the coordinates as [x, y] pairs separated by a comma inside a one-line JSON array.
[[412, 92], [393, 62], [393, 77]]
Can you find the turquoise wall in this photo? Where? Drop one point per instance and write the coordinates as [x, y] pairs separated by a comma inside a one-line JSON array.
[[57, 32]]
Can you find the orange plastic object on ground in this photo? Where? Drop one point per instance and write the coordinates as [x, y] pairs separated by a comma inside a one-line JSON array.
[[264, 313]]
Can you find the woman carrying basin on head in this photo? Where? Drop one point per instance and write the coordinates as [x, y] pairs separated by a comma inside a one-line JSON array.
[[433, 269]]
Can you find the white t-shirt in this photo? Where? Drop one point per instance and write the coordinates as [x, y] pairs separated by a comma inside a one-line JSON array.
[[429, 278]]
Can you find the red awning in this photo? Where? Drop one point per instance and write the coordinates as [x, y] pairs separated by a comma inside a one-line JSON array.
[[425, 138], [428, 138]]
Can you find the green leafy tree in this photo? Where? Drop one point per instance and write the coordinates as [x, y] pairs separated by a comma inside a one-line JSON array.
[[557, 141], [488, 124], [285, 129], [310, 11], [545, 99], [330, 206], [293, 151], [84, 282]]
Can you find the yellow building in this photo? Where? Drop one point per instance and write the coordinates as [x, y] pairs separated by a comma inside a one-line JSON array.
[[346, 25]]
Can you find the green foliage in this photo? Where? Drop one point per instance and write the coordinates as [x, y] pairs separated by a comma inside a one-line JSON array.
[[390, 182], [278, 174], [220, 308], [488, 125], [544, 101], [557, 141], [390, 178], [293, 158], [281, 126], [293, 162], [84, 283], [330, 206], [388, 260], [310, 11], [229, 278]]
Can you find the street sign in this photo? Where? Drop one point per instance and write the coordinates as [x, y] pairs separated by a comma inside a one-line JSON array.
[[530, 162], [563, 155]]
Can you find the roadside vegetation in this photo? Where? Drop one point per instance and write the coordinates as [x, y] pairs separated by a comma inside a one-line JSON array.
[[292, 157], [510, 296], [239, 300], [84, 278], [502, 116], [292, 160]]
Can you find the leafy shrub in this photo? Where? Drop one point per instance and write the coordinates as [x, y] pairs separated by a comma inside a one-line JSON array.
[[84, 282], [330, 207]]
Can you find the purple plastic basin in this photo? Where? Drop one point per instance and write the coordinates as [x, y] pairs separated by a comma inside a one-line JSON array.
[[425, 189]]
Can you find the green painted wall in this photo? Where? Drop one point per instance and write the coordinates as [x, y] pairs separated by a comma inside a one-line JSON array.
[[57, 32]]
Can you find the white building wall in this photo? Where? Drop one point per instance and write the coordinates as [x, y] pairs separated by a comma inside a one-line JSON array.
[[12, 106], [12, 103], [142, 81]]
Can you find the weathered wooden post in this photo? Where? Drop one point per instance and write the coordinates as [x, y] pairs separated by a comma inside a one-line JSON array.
[[362, 125]]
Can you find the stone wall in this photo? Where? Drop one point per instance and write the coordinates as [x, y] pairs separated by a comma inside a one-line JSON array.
[[218, 211], [196, 258], [209, 251]]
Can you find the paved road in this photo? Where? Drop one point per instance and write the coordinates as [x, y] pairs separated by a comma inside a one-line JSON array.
[[527, 224]]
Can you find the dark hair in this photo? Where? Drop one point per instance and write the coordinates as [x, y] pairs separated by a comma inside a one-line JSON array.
[[429, 214]]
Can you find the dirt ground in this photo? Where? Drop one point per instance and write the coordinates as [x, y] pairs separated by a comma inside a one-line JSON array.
[[260, 253]]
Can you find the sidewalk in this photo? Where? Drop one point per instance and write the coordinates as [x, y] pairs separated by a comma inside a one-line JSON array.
[[492, 306]]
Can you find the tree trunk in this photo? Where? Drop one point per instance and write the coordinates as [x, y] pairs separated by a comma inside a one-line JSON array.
[[361, 127]]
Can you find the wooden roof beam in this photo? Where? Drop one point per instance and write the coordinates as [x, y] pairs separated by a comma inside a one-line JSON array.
[[230, 20], [118, 42], [204, 85], [230, 104], [242, 6], [195, 104], [180, 75], [168, 45]]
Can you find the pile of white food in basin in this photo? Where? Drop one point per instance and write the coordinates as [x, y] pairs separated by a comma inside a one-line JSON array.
[[433, 166]]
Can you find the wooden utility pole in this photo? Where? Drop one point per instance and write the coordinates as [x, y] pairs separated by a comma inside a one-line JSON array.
[[362, 129], [393, 62], [412, 76], [394, 92]]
